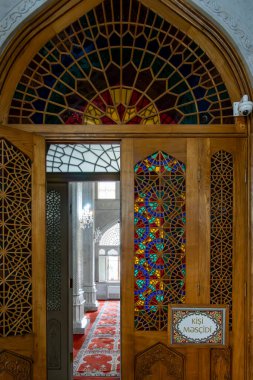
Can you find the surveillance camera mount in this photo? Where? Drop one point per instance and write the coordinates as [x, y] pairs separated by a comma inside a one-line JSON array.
[[243, 108]]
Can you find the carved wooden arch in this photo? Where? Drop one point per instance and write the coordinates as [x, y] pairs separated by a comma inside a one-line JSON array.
[[17, 366], [172, 360], [58, 15]]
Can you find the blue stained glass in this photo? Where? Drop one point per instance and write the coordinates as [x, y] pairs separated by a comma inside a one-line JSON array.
[[203, 105], [37, 118], [43, 92], [199, 92], [49, 80], [39, 105], [57, 70], [77, 52]]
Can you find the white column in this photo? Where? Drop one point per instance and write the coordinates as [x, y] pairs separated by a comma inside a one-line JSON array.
[[80, 321], [88, 283]]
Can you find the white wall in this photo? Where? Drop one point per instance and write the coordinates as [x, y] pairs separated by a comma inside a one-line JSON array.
[[232, 16]]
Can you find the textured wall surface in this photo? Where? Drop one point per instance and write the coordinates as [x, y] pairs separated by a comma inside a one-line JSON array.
[[232, 16]]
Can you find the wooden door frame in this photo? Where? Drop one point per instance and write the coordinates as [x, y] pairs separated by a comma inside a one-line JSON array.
[[48, 22], [62, 134], [112, 134]]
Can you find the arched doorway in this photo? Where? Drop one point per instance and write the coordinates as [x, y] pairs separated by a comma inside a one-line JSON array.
[[126, 73]]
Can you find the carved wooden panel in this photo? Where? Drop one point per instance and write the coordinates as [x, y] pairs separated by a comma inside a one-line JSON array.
[[15, 241], [172, 363], [221, 266], [220, 364], [14, 367]]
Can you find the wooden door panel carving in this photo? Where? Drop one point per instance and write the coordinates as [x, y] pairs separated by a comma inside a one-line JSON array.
[[220, 364], [159, 363], [14, 367]]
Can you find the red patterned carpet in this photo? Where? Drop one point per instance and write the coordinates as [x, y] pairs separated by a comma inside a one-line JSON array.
[[97, 354]]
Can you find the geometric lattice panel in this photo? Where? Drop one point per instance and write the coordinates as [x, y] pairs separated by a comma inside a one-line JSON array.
[[121, 63], [90, 158], [15, 241], [54, 260], [159, 239], [221, 266]]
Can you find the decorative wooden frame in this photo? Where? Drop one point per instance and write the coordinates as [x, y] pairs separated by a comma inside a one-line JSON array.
[[16, 56], [190, 307]]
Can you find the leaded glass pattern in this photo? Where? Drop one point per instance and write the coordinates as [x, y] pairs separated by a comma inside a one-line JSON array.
[[121, 63], [221, 266], [15, 241], [88, 158], [159, 239], [111, 237], [54, 260]]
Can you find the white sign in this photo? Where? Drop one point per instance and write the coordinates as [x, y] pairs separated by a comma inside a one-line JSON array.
[[198, 325]]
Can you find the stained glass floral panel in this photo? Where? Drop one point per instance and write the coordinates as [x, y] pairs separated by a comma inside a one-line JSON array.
[[159, 239]]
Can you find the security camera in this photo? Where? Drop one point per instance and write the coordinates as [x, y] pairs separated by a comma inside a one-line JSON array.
[[244, 107]]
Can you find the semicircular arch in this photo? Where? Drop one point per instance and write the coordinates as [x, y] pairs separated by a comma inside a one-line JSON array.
[[179, 19]]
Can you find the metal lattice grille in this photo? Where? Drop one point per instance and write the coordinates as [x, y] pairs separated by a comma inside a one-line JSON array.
[[121, 63], [54, 260]]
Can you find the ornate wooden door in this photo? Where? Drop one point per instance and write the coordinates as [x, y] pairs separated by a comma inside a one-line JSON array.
[[184, 240], [22, 251]]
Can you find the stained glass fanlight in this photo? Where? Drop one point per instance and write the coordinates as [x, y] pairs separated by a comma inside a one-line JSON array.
[[159, 239], [121, 63]]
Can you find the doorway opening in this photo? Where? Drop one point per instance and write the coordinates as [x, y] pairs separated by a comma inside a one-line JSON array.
[[96, 268], [83, 261]]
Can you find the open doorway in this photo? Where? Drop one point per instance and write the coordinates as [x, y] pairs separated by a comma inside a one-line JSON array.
[[95, 240], [83, 261]]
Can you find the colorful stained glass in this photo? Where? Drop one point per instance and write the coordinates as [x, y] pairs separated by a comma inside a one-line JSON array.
[[121, 63], [159, 239]]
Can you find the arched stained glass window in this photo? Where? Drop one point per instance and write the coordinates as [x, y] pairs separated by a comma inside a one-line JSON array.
[[66, 158], [160, 240], [121, 63]]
